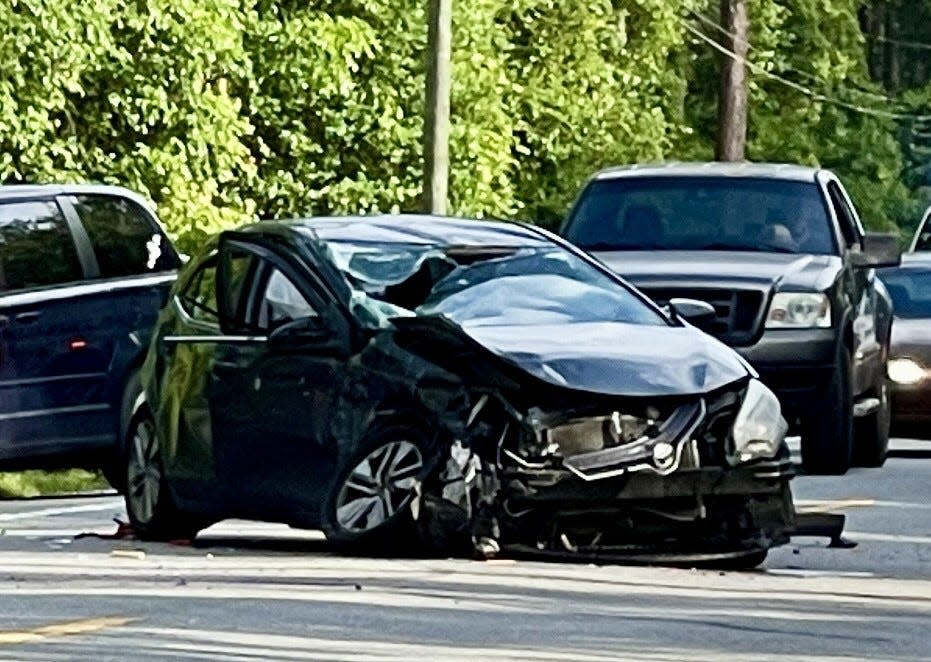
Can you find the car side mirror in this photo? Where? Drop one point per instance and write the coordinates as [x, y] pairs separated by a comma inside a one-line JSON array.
[[697, 313], [879, 250]]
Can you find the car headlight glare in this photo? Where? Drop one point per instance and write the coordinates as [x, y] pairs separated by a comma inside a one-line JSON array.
[[799, 310], [759, 429], [905, 371]]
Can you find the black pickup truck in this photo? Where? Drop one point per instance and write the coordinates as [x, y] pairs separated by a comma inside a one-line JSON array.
[[780, 254]]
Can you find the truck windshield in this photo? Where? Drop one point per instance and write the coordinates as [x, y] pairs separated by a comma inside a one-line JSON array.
[[702, 213]]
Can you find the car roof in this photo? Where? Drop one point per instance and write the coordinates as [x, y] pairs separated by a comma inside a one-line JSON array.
[[413, 229], [747, 170], [48, 190], [11, 192]]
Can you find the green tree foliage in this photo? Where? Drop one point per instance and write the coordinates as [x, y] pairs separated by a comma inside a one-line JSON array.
[[226, 110], [129, 92]]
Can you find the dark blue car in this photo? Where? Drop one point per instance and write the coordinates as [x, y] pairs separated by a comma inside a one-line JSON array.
[[83, 273]]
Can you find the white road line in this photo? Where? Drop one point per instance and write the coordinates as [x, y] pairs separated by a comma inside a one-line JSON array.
[[887, 537], [857, 502], [55, 533], [800, 572], [108, 504], [833, 506]]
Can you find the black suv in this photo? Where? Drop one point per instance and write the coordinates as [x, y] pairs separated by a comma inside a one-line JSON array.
[[83, 273], [780, 254]]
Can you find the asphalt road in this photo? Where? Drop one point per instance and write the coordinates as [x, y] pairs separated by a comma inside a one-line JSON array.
[[257, 592]]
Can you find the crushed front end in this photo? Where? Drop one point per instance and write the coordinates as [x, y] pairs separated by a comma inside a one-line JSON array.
[[702, 476]]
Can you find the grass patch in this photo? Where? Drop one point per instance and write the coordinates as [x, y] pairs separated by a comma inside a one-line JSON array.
[[43, 483]]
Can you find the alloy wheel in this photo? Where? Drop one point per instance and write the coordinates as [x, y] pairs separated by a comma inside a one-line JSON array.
[[144, 472], [378, 487]]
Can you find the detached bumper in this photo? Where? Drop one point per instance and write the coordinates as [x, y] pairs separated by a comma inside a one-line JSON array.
[[796, 364]]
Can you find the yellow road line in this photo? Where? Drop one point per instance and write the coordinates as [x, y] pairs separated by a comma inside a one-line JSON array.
[[833, 506], [69, 628]]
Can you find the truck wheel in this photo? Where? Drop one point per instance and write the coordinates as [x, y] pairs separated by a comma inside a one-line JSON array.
[[827, 436], [871, 433]]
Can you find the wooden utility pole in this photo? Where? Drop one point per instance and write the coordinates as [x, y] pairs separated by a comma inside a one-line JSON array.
[[436, 118], [732, 102]]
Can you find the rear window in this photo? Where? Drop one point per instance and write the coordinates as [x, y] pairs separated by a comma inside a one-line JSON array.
[[36, 247], [702, 213], [126, 242]]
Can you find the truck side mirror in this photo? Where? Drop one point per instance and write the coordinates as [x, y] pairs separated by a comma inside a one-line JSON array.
[[879, 250]]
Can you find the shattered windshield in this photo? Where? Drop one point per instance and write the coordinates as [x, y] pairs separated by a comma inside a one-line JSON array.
[[483, 286]]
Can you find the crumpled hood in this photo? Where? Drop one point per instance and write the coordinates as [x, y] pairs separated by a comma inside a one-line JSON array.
[[724, 268], [616, 358]]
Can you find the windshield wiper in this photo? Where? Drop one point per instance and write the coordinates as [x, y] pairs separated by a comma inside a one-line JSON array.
[[758, 248], [607, 246]]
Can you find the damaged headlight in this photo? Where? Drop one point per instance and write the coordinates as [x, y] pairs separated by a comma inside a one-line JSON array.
[[759, 429]]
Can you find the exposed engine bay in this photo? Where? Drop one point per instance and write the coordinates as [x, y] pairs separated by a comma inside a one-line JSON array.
[[615, 484]]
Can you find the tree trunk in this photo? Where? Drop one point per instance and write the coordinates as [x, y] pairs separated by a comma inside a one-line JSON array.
[[732, 102], [893, 55], [876, 30], [436, 118]]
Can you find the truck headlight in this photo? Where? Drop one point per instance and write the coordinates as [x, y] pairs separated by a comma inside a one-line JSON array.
[[799, 310], [759, 429], [905, 371]]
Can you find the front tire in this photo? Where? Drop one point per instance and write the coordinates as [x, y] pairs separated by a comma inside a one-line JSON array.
[[149, 504], [368, 506], [827, 437]]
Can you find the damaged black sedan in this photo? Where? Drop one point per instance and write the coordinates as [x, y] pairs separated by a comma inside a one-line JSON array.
[[449, 385]]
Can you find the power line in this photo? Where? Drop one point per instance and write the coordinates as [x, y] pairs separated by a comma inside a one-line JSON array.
[[817, 96], [808, 76], [905, 44]]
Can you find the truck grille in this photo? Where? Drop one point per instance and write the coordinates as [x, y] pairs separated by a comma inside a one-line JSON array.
[[738, 313]]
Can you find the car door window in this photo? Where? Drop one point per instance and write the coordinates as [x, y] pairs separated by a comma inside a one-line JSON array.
[[125, 239], [845, 215], [36, 246], [281, 302], [199, 298]]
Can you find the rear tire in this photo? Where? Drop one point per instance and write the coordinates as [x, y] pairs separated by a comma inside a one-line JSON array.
[[368, 507], [827, 437], [149, 504]]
